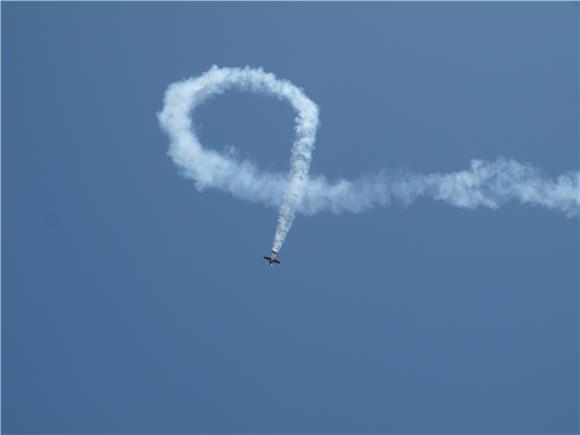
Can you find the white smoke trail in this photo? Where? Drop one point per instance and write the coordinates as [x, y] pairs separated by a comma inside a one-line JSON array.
[[209, 168], [485, 183]]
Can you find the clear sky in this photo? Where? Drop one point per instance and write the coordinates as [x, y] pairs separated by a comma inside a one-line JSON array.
[[133, 303]]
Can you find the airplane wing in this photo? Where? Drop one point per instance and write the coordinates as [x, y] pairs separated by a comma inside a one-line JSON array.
[[267, 258], [276, 261]]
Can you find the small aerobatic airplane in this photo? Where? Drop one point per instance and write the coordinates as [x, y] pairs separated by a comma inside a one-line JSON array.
[[272, 260]]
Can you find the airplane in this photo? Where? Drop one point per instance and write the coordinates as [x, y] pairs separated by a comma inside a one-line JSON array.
[[272, 259]]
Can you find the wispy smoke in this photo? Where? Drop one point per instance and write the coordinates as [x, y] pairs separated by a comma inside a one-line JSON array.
[[485, 183]]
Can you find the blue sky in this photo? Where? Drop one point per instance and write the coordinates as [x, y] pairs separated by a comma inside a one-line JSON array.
[[133, 303]]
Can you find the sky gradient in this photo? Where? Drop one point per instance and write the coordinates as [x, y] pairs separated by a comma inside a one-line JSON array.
[[131, 302]]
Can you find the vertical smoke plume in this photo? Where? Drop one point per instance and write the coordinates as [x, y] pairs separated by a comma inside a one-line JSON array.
[[306, 127]]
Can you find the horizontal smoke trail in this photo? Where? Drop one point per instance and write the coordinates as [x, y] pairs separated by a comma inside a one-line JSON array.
[[485, 183]]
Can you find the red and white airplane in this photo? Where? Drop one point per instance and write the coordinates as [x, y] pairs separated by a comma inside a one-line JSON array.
[[272, 259]]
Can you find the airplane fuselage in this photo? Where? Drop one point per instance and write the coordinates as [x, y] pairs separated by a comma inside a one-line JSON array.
[[272, 259]]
